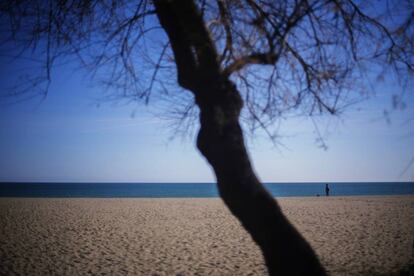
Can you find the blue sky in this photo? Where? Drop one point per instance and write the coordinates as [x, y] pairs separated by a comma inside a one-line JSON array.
[[72, 136]]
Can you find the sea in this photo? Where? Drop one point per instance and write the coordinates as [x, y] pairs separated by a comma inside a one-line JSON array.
[[198, 190]]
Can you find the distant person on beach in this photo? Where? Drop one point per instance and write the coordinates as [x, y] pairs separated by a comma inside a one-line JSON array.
[[327, 190]]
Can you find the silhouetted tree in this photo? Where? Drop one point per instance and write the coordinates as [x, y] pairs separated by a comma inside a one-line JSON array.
[[270, 57]]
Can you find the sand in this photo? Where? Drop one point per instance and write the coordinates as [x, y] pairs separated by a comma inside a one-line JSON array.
[[351, 235]]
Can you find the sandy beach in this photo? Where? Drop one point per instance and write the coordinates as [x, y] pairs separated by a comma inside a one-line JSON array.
[[351, 235]]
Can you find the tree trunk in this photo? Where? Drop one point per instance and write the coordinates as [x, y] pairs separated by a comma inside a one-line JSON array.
[[220, 140]]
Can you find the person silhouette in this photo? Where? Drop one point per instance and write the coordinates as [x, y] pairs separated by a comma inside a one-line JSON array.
[[327, 190]]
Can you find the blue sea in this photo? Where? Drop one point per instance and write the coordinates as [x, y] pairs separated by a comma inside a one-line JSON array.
[[174, 190]]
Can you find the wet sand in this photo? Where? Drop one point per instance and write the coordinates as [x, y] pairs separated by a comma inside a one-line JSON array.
[[351, 235]]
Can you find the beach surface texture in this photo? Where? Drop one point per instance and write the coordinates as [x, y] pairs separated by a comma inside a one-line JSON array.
[[351, 235]]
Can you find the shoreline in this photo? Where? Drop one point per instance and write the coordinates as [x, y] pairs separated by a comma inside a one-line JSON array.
[[215, 197], [352, 235], [194, 190]]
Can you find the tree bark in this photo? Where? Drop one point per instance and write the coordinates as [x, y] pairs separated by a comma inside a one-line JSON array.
[[220, 140]]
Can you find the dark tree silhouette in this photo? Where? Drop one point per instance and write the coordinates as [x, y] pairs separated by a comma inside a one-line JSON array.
[[270, 57]]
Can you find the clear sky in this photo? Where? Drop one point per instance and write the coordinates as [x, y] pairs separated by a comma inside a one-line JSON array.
[[72, 136]]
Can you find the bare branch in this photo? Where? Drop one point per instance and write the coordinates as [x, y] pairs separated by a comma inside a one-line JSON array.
[[296, 56], [256, 58]]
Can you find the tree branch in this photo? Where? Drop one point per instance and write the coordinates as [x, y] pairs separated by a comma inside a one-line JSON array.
[[180, 44], [257, 58]]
